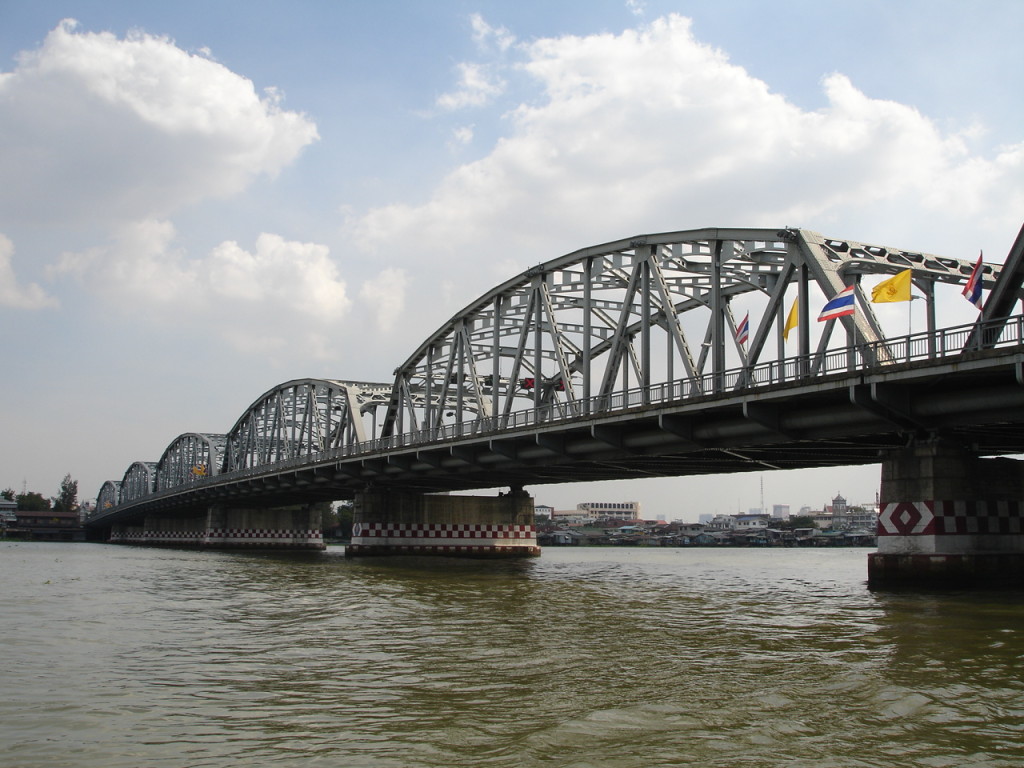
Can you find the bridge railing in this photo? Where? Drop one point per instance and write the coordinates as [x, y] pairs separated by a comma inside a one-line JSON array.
[[943, 344]]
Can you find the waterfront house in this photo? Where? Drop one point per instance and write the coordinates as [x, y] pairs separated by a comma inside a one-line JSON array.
[[47, 525]]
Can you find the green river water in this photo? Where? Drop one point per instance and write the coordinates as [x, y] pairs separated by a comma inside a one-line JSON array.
[[128, 657]]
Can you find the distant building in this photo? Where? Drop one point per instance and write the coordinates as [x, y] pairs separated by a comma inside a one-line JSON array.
[[780, 511], [542, 510], [704, 519], [750, 522], [629, 510], [7, 511], [840, 516], [572, 517], [839, 511], [47, 525]]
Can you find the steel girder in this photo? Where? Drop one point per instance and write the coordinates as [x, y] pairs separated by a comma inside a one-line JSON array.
[[139, 480], [572, 335], [190, 457], [302, 418], [1005, 294]]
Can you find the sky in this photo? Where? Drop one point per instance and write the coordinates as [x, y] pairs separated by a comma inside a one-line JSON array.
[[200, 201]]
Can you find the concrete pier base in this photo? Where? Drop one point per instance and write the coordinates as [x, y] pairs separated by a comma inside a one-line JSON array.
[[949, 518], [173, 532], [985, 569], [126, 534], [263, 528], [278, 528], [460, 526]]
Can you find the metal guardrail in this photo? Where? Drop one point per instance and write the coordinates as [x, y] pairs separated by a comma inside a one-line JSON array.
[[874, 356]]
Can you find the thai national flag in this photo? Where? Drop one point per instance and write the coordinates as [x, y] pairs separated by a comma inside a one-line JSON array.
[[841, 305], [743, 330], [972, 291]]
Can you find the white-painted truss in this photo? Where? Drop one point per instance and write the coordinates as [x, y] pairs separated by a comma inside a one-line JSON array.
[[139, 481], [302, 418], [190, 457], [566, 337]]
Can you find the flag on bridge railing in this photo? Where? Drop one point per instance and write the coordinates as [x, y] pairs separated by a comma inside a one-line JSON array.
[[972, 291], [896, 288], [792, 321], [743, 330], [839, 306]]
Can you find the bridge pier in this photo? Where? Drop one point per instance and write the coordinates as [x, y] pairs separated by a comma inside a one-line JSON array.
[[125, 534], [225, 527], [392, 523], [172, 531], [949, 518], [263, 528]]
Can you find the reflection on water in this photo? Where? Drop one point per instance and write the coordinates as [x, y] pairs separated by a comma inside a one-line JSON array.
[[122, 656]]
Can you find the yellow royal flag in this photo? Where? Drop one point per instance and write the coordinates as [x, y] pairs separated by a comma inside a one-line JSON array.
[[896, 288], [792, 321]]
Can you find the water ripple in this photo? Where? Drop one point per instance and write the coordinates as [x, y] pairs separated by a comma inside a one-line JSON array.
[[123, 657]]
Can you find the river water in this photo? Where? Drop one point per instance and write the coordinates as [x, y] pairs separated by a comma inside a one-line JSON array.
[[130, 657]]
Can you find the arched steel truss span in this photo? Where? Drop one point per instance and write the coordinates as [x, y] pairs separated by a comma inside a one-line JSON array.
[[109, 495], [139, 481], [303, 418], [575, 334], [667, 319], [189, 458]]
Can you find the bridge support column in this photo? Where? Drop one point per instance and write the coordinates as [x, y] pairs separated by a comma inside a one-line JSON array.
[[387, 523], [949, 518], [263, 528], [171, 531], [125, 534]]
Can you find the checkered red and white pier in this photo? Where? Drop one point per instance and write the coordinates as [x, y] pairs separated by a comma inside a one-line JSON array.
[[947, 518], [172, 537], [255, 537], [481, 537]]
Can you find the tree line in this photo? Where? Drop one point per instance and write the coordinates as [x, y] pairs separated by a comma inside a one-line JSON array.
[[31, 501]]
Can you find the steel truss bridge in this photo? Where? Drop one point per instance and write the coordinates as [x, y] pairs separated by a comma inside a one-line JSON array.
[[626, 360]]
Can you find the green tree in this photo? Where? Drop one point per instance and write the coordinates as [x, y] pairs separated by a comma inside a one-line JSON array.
[[32, 502], [803, 521], [67, 500], [344, 511], [7, 493]]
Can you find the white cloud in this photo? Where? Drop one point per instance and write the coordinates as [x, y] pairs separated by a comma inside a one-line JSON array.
[[280, 294], [477, 86], [651, 130], [462, 136], [636, 7], [105, 129], [484, 34], [12, 294], [384, 297]]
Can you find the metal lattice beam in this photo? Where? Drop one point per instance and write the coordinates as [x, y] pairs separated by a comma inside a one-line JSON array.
[[588, 326], [303, 418]]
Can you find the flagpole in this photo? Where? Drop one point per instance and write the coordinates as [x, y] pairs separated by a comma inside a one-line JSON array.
[[910, 321]]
